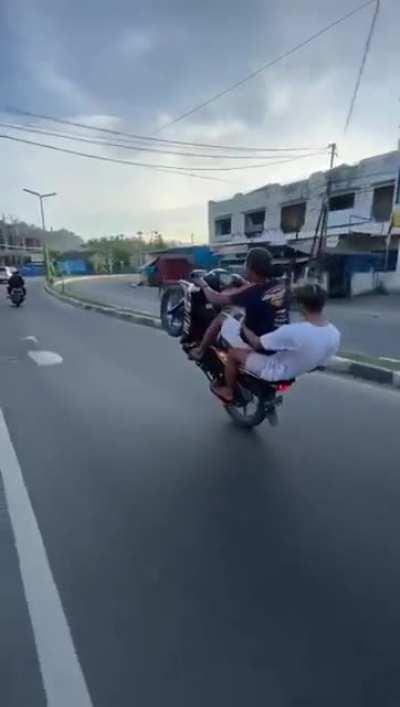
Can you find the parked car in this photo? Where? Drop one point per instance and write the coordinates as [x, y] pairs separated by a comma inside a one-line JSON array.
[[5, 274]]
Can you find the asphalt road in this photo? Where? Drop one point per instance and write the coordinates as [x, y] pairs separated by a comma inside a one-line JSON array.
[[194, 564], [369, 325]]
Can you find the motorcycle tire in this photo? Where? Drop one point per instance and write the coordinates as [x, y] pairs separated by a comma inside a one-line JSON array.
[[247, 421], [173, 325]]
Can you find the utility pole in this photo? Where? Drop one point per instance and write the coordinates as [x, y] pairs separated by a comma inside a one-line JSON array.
[[321, 231], [324, 225], [333, 149]]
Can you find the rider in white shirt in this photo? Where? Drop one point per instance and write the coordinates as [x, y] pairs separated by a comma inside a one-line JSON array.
[[295, 348]]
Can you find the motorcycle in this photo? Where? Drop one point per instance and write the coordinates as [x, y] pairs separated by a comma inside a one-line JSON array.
[[17, 296], [186, 313]]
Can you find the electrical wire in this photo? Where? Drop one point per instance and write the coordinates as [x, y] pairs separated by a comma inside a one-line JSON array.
[[163, 167], [263, 68], [362, 67], [133, 136], [159, 168], [104, 142]]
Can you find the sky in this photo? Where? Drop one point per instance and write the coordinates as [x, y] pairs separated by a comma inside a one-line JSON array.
[[134, 66]]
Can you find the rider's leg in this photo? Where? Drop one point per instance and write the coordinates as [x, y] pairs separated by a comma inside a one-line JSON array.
[[209, 337], [236, 358]]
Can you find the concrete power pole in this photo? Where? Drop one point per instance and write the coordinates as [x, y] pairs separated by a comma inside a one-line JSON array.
[[333, 149], [321, 232]]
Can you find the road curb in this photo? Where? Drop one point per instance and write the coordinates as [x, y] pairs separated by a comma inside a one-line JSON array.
[[363, 371], [338, 365], [118, 313]]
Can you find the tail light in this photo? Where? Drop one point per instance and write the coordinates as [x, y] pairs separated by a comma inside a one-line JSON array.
[[283, 387]]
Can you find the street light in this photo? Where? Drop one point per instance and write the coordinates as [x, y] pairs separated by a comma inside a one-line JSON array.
[[41, 197], [45, 250]]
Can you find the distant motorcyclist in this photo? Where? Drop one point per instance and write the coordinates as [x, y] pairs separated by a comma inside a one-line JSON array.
[[16, 282]]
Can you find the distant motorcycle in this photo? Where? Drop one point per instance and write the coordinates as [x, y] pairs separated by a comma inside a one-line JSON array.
[[17, 296], [186, 313]]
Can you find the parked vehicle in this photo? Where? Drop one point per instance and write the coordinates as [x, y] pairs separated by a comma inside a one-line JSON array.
[[186, 313], [5, 274]]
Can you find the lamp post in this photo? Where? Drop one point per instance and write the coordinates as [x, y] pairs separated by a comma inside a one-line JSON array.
[[41, 198]]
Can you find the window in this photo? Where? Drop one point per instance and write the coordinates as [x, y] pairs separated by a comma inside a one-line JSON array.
[[293, 217], [342, 202], [382, 204], [223, 226], [254, 223], [32, 243]]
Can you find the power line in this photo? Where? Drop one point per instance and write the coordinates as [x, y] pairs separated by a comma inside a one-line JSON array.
[[266, 66], [363, 63], [104, 142], [174, 168], [159, 168], [133, 136]]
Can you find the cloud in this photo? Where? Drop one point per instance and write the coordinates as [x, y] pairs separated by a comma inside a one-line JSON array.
[[51, 81], [134, 66], [134, 42]]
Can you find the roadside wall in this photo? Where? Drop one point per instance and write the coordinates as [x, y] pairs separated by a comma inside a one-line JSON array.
[[391, 280], [363, 282]]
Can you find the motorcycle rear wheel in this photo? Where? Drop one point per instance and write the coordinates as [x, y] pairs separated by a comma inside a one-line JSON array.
[[248, 415]]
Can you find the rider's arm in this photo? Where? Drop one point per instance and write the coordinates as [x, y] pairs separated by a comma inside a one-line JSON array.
[[219, 298], [252, 338], [279, 340]]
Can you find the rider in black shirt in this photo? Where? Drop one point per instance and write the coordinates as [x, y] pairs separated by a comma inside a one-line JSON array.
[[263, 299]]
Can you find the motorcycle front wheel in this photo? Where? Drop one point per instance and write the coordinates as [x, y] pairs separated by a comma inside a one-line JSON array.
[[171, 311]]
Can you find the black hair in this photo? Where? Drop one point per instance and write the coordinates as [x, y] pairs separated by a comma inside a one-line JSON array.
[[259, 261], [311, 297]]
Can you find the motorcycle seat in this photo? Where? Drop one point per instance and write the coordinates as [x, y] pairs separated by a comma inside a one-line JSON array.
[[289, 382]]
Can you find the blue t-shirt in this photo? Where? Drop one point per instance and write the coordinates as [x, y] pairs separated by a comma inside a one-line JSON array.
[[265, 305]]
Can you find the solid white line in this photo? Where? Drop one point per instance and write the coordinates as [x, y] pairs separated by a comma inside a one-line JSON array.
[[62, 675]]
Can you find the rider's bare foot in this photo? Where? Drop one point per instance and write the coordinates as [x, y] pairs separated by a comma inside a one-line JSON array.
[[223, 393]]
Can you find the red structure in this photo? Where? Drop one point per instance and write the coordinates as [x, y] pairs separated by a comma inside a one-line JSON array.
[[172, 268]]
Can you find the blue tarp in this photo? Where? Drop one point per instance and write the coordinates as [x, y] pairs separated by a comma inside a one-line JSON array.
[[32, 270], [72, 267]]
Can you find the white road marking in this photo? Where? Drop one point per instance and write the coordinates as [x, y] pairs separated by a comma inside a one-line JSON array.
[[64, 682], [33, 339], [45, 358]]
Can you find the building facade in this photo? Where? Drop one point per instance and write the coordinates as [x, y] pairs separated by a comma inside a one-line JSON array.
[[21, 244], [361, 199]]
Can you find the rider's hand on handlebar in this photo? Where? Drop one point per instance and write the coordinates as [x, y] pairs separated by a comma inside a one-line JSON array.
[[200, 282]]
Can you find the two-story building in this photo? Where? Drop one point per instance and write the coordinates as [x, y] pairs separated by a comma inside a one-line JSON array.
[[360, 239], [21, 244]]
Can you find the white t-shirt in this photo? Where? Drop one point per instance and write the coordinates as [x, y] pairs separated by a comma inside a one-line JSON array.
[[300, 347]]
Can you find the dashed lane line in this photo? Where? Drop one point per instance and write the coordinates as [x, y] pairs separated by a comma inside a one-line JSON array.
[[45, 358]]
